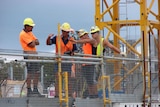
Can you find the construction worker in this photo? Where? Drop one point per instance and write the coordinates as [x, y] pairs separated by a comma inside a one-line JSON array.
[[67, 47], [92, 46], [29, 42], [88, 69], [95, 32]]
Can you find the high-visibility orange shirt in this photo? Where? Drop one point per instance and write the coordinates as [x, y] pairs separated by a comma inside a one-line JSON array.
[[26, 38], [64, 48], [87, 48]]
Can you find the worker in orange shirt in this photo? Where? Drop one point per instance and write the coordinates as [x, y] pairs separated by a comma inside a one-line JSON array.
[[29, 42], [67, 47], [88, 69]]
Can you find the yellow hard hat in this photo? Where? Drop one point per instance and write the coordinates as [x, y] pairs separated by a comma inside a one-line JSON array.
[[66, 27], [82, 32], [94, 29], [28, 21]]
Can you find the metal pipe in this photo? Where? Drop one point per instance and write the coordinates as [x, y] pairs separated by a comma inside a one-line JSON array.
[[50, 56], [21, 54], [53, 61], [122, 58], [144, 70], [150, 72], [74, 57], [81, 58]]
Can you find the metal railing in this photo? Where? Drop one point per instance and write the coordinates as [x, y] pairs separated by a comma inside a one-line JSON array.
[[121, 75]]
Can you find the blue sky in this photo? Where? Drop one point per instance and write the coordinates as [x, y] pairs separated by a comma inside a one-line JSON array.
[[46, 15]]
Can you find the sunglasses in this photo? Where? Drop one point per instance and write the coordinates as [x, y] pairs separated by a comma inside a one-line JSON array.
[[28, 26], [65, 31], [93, 33]]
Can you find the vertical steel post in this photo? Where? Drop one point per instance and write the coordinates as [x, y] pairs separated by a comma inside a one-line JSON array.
[[59, 66], [159, 45]]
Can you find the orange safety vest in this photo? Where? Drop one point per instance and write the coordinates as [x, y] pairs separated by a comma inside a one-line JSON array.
[[87, 49], [64, 48]]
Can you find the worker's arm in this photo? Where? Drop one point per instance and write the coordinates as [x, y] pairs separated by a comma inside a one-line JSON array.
[[88, 40], [51, 39], [107, 43], [33, 43]]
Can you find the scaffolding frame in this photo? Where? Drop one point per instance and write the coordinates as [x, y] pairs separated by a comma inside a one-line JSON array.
[[147, 26]]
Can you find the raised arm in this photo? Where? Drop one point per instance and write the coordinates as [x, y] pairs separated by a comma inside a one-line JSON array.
[[87, 40], [48, 41], [107, 43]]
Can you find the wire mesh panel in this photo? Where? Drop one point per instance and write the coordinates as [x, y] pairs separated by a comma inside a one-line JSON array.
[[122, 78]]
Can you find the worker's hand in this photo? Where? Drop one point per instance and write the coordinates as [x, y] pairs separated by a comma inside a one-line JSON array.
[[123, 54], [67, 53], [50, 35], [72, 40], [72, 53], [36, 42], [73, 74], [72, 31]]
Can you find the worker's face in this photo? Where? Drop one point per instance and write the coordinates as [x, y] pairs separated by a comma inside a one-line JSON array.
[[28, 28], [94, 35], [65, 33], [84, 36]]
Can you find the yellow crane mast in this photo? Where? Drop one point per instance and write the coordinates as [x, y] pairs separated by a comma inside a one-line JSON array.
[[107, 17]]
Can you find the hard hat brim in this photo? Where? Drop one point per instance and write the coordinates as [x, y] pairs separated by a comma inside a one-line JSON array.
[[32, 24], [92, 32], [66, 30], [83, 34]]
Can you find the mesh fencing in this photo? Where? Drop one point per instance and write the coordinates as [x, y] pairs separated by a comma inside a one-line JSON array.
[[85, 75]]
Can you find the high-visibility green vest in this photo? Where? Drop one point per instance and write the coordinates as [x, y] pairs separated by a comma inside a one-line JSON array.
[[100, 47]]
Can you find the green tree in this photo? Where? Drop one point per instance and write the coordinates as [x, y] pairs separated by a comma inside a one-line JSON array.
[[18, 70], [48, 74]]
